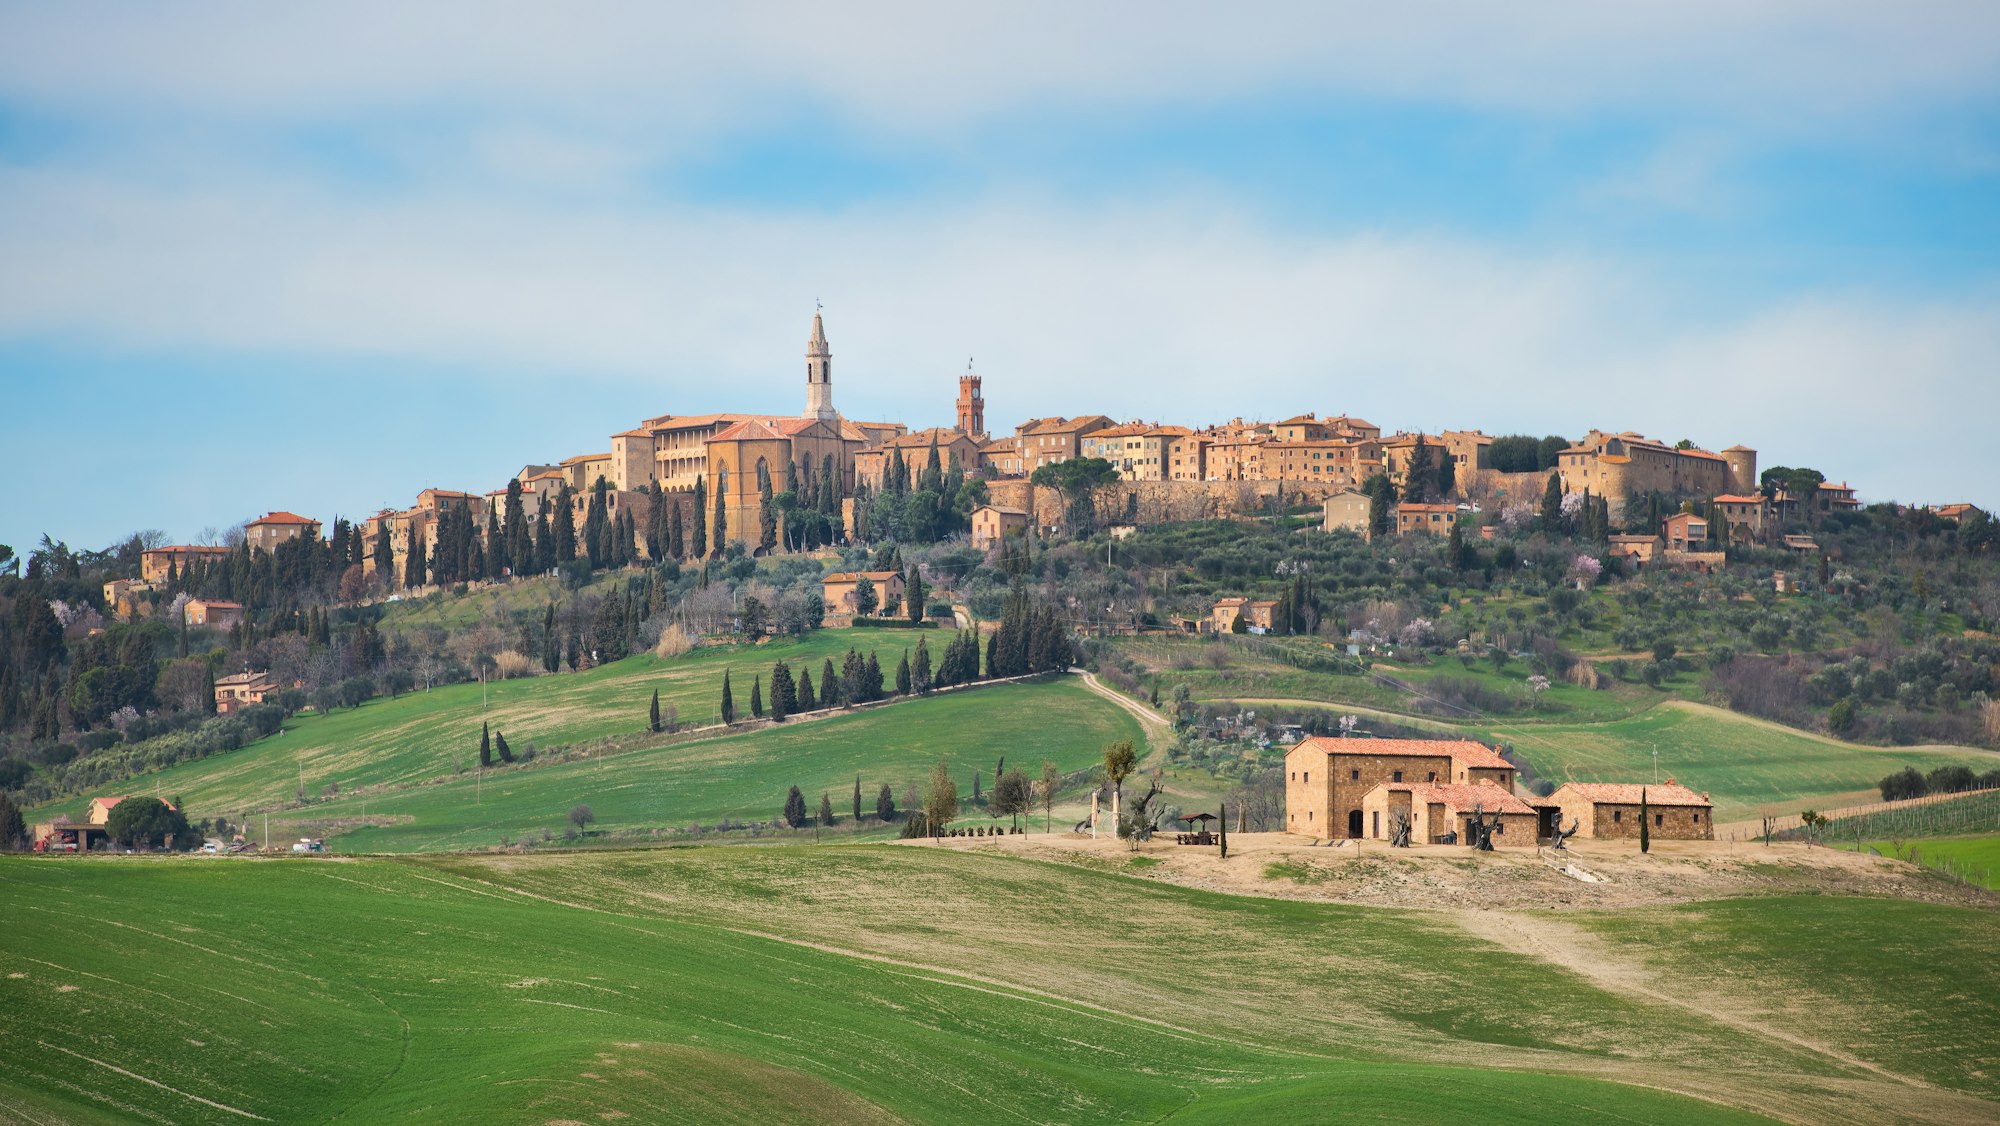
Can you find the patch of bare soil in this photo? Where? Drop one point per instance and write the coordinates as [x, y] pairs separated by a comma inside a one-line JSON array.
[[1607, 874]]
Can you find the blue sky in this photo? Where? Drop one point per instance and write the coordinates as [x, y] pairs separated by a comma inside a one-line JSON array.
[[319, 257]]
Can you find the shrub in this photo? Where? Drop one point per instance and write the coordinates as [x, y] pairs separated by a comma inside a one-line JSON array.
[[512, 664], [674, 642]]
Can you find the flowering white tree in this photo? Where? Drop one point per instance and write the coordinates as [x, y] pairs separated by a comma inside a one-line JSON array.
[[1347, 725], [1538, 684], [1585, 570], [1572, 504], [1517, 516], [1418, 632]]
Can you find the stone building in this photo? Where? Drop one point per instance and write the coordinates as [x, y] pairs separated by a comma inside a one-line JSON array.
[[1327, 778], [1047, 441], [871, 464], [266, 532], [837, 592], [1611, 809], [991, 524], [211, 613], [1438, 810], [676, 451], [1618, 466], [1425, 519], [156, 564], [1685, 532], [237, 691], [971, 405], [1347, 509], [1742, 519], [1254, 612]]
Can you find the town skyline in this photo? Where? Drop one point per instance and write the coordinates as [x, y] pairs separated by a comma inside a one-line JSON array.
[[452, 252]]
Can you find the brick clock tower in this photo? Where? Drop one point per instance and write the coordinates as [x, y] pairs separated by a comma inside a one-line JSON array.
[[971, 406]]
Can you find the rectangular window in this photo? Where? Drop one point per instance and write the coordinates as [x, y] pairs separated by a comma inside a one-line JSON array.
[[1397, 777], [1354, 776], [1431, 776], [1618, 815], [1309, 776], [1657, 819]]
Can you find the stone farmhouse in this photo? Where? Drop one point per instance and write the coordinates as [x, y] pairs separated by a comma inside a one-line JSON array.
[[237, 691], [1425, 519], [1326, 779], [1440, 812], [1349, 509], [1255, 613], [837, 592], [1611, 810]]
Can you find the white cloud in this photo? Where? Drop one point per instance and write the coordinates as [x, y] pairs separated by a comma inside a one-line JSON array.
[[1178, 310], [924, 65]]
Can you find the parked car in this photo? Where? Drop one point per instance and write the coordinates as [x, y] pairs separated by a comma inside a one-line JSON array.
[[309, 844]]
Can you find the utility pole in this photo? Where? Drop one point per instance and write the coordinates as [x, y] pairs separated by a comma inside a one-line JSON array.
[[267, 831]]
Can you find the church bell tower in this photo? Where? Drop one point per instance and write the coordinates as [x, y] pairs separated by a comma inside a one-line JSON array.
[[971, 405], [819, 374]]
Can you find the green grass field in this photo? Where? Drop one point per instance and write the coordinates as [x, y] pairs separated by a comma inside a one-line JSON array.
[[1974, 859], [884, 983], [1747, 767], [742, 777], [414, 756]]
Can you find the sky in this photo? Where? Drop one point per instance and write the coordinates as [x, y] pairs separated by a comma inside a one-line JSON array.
[[316, 257]]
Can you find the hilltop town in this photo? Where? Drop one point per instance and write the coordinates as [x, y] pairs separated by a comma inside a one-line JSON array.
[[689, 487]]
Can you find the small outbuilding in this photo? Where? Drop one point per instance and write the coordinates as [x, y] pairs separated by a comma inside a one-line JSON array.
[[1612, 810]]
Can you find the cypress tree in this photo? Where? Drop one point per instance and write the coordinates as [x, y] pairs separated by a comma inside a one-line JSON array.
[[857, 799], [1421, 475], [757, 697], [1222, 815], [676, 545], [806, 701], [1552, 503], [728, 701], [698, 540], [653, 716], [831, 692], [563, 526], [545, 544], [920, 676], [596, 538], [767, 514], [874, 674], [915, 594], [885, 803], [1645, 823], [903, 675], [783, 696], [207, 689], [721, 524], [795, 808], [385, 555], [485, 746], [825, 808], [500, 747], [495, 555], [551, 649]]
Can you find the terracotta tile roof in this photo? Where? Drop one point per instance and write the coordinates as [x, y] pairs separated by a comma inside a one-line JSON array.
[[1127, 430], [749, 430], [1463, 797], [1739, 450], [1627, 793], [215, 604], [1731, 498], [1424, 508], [237, 678], [1003, 510], [1221, 602], [1462, 752], [581, 458], [186, 548], [1170, 431], [857, 576], [281, 518]]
